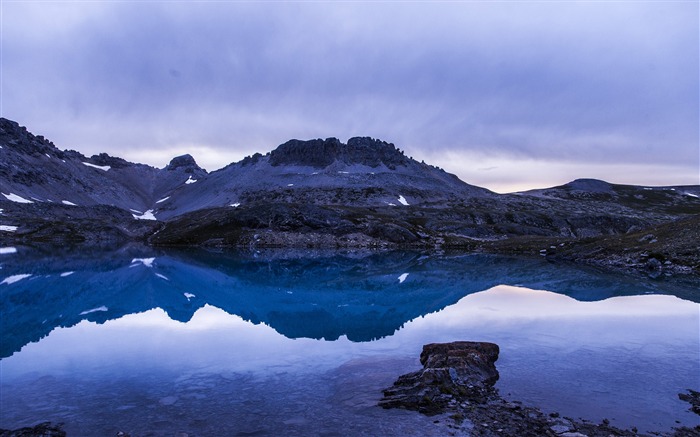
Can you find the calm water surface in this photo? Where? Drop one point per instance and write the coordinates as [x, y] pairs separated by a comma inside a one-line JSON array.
[[279, 343]]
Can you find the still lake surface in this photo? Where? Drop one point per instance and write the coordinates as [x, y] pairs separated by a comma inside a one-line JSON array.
[[302, 343]]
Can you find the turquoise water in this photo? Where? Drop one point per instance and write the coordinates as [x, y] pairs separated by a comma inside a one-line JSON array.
[[302, 343]]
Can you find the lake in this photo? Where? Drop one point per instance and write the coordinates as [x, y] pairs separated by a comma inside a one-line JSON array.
[[200, 343]]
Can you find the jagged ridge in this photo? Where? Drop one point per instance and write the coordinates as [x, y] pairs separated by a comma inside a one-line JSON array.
[[322, 153]]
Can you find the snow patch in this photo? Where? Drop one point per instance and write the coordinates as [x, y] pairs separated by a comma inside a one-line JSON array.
[[8, 228], [15, 198], [189, 296], [391, 204], [65, 202], [162, 276], [402, 200], [692, 195], [14, 278], [648, 189], [148, 262], [403, 277], [135, 210], [7, 250], [290, 185], [236, 205], [148, 215], [0, 211], [343, 172], [94, 310], [163, 199], [190, 180], [47, 155], [64, 274], [100, 167]]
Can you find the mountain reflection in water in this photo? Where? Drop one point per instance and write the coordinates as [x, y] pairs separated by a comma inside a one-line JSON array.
[[362, 296], [167, 314]]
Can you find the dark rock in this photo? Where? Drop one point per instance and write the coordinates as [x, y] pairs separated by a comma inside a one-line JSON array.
[[185, 162], [653, 264], [45, 429], [322, 153], [104, 159], [693, 398], [461, 369], [473, 361]]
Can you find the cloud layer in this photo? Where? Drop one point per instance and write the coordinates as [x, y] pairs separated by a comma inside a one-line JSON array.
[[576, 85]]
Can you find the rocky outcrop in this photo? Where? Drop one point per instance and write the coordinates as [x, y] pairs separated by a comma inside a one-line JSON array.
[[458, 380], [451, 371], [322, 153], [45, 429], [185, 162], [693, 398], [104, 159]]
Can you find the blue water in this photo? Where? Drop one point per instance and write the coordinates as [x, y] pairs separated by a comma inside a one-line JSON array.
[[203, 343]]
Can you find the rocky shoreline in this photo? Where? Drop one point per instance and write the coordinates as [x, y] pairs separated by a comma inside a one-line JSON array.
[[458, 380]]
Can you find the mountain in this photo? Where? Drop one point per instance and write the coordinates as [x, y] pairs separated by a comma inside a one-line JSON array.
[[364, 171], [33, 169], [679, 199], [315, 193]]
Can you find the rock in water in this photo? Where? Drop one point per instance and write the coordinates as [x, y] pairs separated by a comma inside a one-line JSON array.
[[45, 429], [451, 371]]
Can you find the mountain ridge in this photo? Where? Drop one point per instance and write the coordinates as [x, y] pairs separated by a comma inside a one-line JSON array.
[[313, 193]]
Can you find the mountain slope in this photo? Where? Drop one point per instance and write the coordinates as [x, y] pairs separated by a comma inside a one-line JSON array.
[[680, 199], [363, 172], [316, 193], [34, 170]]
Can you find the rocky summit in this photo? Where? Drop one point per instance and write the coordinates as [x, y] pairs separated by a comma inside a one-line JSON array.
[[326, 193]]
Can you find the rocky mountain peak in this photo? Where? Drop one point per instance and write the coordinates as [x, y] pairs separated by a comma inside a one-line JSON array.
[[111, 161], [590, 185], [19, 138], [185, 162], [322, 153]]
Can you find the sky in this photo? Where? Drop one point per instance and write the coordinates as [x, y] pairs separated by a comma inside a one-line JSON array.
[[506, 95]]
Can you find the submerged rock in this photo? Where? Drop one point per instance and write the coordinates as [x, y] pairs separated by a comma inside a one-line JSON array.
[[693, 398], [46, 429]]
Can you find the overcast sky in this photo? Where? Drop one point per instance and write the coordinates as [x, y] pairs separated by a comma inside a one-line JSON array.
[[507, 95]]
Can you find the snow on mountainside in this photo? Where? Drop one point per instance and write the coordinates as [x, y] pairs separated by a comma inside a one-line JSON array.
[[316, 193], [363, 172], [32, 168]]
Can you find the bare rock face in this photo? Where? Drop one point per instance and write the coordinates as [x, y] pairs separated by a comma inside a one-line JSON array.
[[457, 370], [185, 162], [322, 153]]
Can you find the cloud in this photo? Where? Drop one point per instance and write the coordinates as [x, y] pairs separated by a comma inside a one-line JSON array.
[[569, 82]]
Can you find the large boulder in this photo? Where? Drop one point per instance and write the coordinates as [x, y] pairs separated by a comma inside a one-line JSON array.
[[451, 371]]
